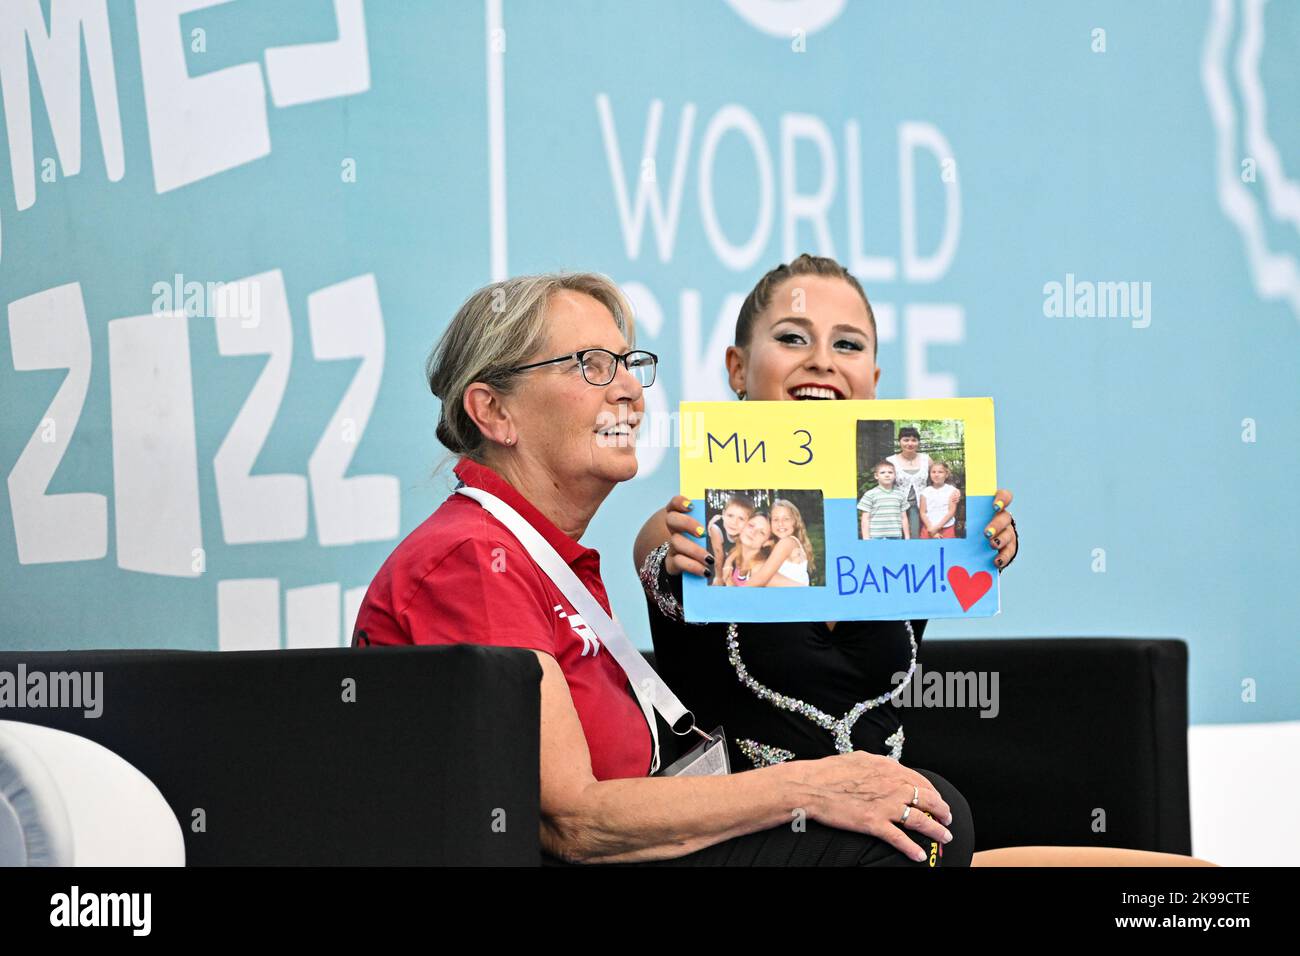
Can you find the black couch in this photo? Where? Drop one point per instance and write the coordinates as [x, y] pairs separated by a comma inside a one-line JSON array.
[[434, 761]]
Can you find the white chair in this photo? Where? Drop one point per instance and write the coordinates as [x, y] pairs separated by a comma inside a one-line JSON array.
[[68, 801]]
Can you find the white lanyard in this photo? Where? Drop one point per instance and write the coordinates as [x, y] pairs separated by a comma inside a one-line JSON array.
[[649, 687]]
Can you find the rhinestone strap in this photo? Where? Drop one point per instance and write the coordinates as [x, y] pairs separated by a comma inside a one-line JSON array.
[[762, 755], [841, 728], [654, 580], [765, 755], [895, 741]]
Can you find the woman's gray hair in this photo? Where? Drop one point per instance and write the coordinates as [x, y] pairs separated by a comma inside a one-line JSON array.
[[500, 327]]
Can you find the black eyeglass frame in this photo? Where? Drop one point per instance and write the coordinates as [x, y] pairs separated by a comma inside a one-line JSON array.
[[578, 356]]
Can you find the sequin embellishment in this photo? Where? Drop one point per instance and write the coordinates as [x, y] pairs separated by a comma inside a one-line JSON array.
[[895, 741], [762, 755], [841, 728]]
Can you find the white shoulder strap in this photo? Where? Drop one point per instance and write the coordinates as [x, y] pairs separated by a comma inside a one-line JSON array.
[[649, 687]]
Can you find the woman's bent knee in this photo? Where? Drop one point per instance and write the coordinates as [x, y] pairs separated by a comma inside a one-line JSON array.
[[962, 828]]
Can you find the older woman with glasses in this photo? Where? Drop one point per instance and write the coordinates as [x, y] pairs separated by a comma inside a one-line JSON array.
[[542, 394]]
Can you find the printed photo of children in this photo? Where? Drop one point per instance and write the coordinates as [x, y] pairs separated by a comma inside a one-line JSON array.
[[883, 506], [766, 537], [911, 479], [938, 504], [724, 528]]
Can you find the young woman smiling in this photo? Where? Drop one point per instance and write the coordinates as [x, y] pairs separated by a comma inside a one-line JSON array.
[[786, 692]]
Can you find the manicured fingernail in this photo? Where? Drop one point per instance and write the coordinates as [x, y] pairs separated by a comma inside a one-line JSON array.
[[988, 532], [919, 855], [948, 822], [688, 502], [997, 504], [709, 559], [699, 532], [997, 543], [947, 837], [998, 562]]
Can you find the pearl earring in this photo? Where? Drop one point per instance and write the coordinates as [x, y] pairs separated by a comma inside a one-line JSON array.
[[510, 441]]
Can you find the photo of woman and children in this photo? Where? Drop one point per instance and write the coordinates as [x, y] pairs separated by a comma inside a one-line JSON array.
[[911, 477], [766, 538]]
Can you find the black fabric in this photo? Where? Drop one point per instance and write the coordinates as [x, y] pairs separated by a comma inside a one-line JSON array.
[[1088, 748], [436, 762], [1091, 732], [820, 845], [831, 669], [1084, 724]]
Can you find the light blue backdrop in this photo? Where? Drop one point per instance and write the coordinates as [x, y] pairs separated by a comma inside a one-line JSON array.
[[1153, 454]]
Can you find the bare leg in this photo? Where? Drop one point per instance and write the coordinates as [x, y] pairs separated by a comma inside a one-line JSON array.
[[1080, 856]]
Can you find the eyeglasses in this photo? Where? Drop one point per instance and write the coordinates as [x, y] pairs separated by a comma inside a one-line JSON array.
[[599, 365]]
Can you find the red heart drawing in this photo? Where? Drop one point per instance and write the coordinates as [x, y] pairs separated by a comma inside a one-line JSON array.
[[966, 587]]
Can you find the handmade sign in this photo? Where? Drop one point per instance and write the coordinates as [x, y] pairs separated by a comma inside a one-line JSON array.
[[841, 510]]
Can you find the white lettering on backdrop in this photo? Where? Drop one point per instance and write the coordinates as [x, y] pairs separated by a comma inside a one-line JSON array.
[[198, 125], [811, 200]]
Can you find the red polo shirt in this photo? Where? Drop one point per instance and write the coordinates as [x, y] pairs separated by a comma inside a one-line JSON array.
[[462, 577]]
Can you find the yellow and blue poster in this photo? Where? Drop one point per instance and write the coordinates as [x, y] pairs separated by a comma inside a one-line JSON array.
[[841, 511]]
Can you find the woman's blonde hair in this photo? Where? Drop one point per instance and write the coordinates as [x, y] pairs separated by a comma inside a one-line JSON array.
[[497, 328], [800, 528]]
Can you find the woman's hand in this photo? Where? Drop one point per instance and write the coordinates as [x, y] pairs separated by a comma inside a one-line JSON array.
[[867, 793], [683, 553], [1000, 533]]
